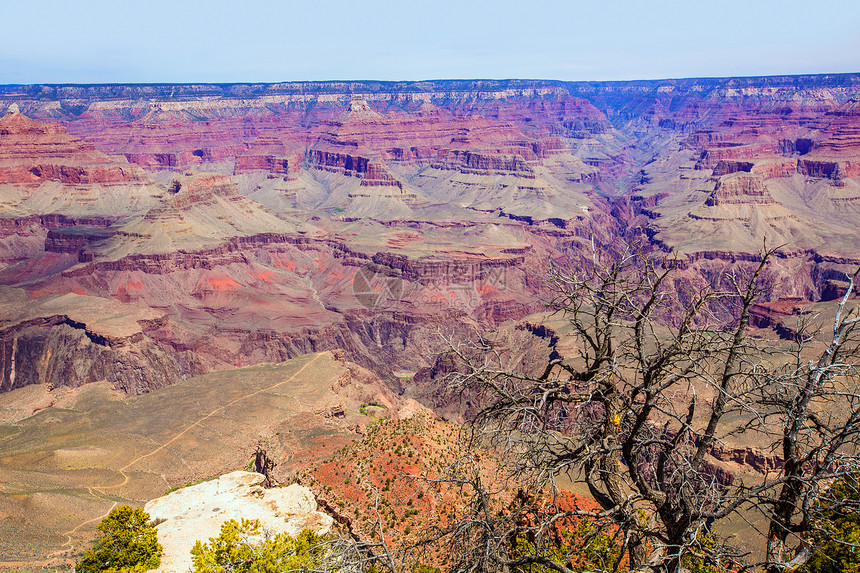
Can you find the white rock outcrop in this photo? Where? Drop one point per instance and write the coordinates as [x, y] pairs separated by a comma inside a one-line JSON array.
[[197, 513]]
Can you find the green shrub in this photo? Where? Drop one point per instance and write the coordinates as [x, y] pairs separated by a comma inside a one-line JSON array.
[[578, 546], [126, 543], [240, 548], [837, 534]]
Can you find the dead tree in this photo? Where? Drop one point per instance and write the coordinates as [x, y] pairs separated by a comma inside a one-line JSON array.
[[810, 409], [664, 373], [265, 465]]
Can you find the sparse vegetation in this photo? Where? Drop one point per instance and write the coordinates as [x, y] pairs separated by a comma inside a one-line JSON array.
[[665, 371], [363, 409], [382, 491], [245, 548], [126, 542], [575, 544], [837, 531]]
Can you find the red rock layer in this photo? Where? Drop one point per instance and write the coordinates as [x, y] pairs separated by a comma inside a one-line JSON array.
[[828, 143], [404, 136], [269, 153], [73, 239], [844, 131], [33, 152], [775, 169], [486, 163], [552, 111], [712, 156], [740, 189], [202, 189], [160, 139], [346, 164], [471, 144], [828, 168], [377, 176]]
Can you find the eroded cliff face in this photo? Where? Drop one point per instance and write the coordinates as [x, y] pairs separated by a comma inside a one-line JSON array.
[[33, 153], [61, 352], [270, 297], [73, 339], [266, 221]]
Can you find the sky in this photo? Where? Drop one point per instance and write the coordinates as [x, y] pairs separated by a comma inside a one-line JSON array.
[[179, 41]]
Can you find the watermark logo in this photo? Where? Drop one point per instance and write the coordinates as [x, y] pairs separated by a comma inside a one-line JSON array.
[[442, 284], [374, 288]]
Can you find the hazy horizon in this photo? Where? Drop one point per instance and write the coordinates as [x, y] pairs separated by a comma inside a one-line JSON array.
[[430, 80], [262, 41]]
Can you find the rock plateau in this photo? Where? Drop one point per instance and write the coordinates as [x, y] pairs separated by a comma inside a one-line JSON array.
[[197, 512]]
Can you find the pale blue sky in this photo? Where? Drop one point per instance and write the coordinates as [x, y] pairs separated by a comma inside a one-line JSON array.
[[179, 41]]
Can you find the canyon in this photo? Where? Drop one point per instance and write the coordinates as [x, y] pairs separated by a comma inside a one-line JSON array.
[[244, 216], [155, 239]]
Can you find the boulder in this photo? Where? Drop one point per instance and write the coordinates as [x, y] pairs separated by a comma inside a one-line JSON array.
[[197, 512]]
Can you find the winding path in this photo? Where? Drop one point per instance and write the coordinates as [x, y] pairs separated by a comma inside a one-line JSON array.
[[101, 489]]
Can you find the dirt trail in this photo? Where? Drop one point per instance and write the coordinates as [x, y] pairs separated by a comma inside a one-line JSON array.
[[94, 489], [201, 420]]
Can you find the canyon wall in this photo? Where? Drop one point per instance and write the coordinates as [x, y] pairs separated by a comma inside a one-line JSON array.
[[262, 221]]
